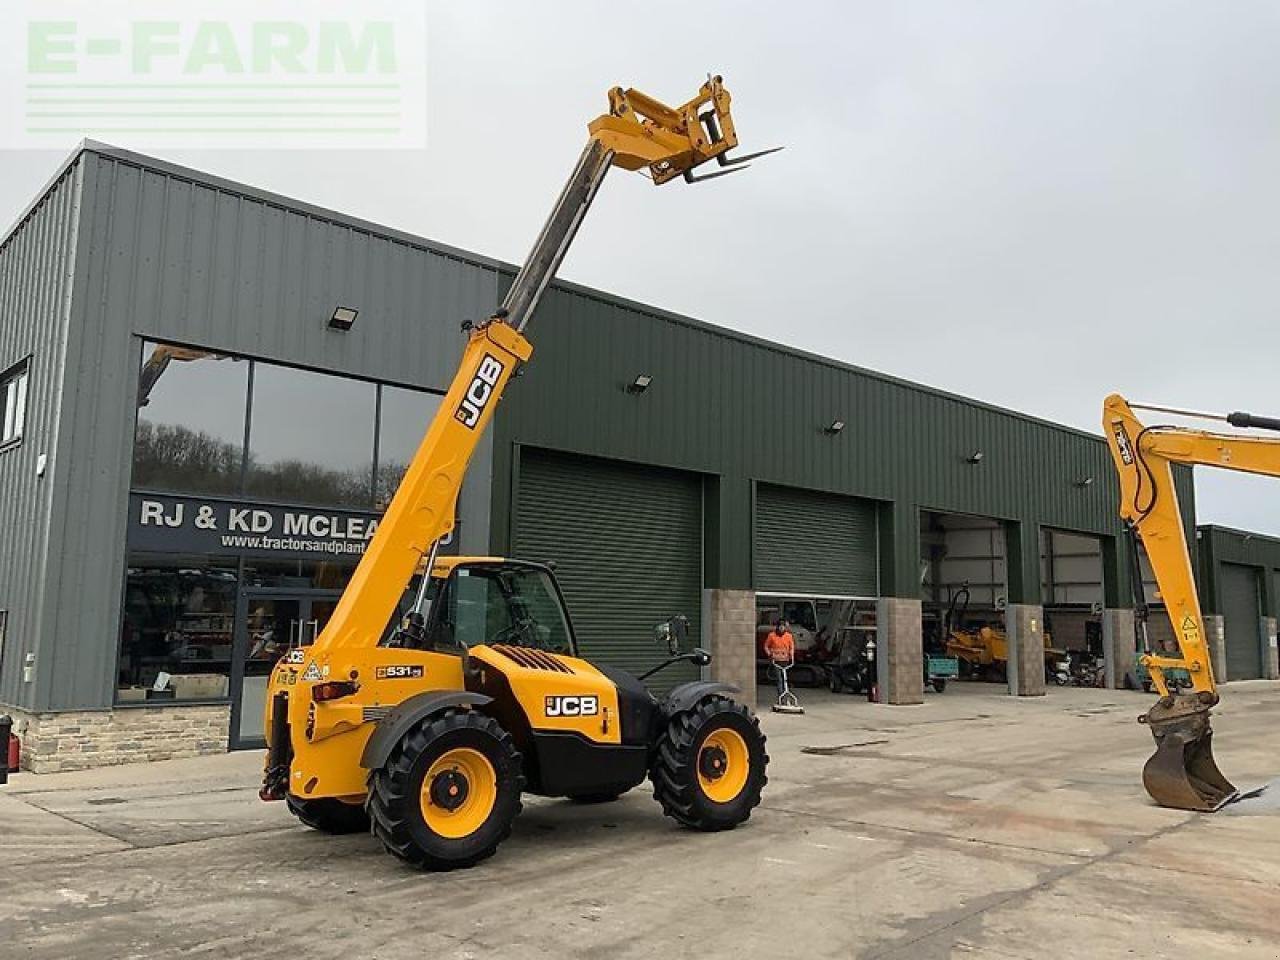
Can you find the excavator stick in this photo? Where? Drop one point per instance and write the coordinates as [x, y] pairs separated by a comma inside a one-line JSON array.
[[1182, 773]]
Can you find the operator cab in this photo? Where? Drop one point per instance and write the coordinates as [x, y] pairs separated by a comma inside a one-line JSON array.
[[490, 600]]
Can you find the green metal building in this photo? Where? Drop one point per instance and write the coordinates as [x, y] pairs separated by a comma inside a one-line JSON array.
[[179, 403], [1239, 593]]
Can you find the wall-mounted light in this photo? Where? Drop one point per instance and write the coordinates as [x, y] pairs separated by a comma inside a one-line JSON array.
[[834, 427], [1084, 482], [343, 318], [975, 457], [640, 384]]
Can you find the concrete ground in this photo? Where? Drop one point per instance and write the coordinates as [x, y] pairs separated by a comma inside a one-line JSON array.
[[974, 826]]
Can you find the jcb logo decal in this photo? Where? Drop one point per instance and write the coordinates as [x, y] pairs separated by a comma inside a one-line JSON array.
[[479, 392], [586, 706], [1122, 443]]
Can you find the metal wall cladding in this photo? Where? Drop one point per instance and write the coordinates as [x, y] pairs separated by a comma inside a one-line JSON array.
[[175, 255], [818, 543], [37, 267], [727, 404], [627, 544], [1222, 545], [1241, 610]]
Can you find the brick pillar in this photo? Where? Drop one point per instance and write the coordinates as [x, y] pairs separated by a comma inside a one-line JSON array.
[[731, 633], [1270, 661], [1215, 639], [1024, 623], [899, 651], [1118, 643]]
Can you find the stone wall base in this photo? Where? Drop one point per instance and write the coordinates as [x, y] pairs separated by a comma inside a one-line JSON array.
[[1270, 659], [899, 650], [731, 634], [80, 740], [1118, 645], [1024, 623], [1215, 637]]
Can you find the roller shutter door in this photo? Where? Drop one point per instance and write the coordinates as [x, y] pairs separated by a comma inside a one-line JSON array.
[[627, 542], [817, 543], [1241, 612]]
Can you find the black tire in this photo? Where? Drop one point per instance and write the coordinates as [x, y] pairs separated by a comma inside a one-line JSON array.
[[329, 815], [590, 798], [674, 767], [938, 684], [833, 683], [395, 791]]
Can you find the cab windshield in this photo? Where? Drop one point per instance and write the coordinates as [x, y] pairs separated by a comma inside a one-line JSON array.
[[517, 606]]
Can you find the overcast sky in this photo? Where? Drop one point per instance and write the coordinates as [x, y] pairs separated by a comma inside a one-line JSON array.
[[1033, 204]]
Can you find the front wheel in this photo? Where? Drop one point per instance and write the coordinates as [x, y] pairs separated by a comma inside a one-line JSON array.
[[448, 793], [939, 684], [709, 766]]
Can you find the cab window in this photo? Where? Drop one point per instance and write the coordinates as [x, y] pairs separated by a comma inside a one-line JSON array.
[[507, 605], [800, 614]]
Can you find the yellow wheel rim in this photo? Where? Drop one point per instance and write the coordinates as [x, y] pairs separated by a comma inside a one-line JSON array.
[[458, 793], [724, 764]]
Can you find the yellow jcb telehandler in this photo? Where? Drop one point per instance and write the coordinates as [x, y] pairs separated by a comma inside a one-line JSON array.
[[430, 736], [1182, 772]]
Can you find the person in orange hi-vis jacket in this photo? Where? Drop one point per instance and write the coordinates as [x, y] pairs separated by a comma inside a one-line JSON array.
[[780, 647]]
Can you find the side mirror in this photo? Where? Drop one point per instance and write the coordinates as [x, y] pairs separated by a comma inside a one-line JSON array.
[[673, 633], [699, 657]]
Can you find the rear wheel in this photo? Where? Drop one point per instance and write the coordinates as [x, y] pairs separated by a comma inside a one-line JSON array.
[[447, 794], [939, 684], [329, 815], [709, 766]]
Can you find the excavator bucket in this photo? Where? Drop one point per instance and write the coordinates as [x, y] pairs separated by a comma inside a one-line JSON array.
[[1182, 773]]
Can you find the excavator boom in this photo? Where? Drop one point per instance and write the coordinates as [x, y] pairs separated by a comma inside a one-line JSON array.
[[1182, 772]]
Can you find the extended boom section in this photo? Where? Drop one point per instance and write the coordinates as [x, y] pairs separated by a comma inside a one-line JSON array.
[[1182, 772]]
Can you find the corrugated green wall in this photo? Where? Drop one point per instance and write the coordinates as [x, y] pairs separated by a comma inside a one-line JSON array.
[[741, 410], [1219, 545]]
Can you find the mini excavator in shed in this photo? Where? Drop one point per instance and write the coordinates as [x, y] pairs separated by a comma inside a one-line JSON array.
[[1182, 773], [429, 736]]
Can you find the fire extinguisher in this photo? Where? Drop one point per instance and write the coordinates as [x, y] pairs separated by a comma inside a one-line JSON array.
[[9, 763]]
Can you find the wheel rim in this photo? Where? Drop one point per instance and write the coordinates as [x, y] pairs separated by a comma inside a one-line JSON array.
[[458, 793], [724, 765]]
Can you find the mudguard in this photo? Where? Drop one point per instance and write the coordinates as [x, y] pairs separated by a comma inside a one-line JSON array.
[[686, 695], [407, 714]]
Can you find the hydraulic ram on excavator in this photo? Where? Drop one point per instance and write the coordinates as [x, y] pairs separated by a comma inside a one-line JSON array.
[[1182, 772]]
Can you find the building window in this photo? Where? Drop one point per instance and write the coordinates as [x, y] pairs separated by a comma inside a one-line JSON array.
[[404, 416], [298, 574], [13, 395], [179, 621], [191, 418], [311, 438]]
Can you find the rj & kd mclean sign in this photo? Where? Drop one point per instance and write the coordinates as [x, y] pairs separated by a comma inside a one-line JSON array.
[[187, 525]]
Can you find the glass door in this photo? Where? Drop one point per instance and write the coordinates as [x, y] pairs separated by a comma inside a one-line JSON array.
[[273, 622], [272, 625]]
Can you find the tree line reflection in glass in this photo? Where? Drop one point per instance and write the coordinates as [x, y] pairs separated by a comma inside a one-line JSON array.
[[310, 435]]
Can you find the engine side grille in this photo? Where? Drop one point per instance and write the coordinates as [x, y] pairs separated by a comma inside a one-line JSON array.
[[532, 659]]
